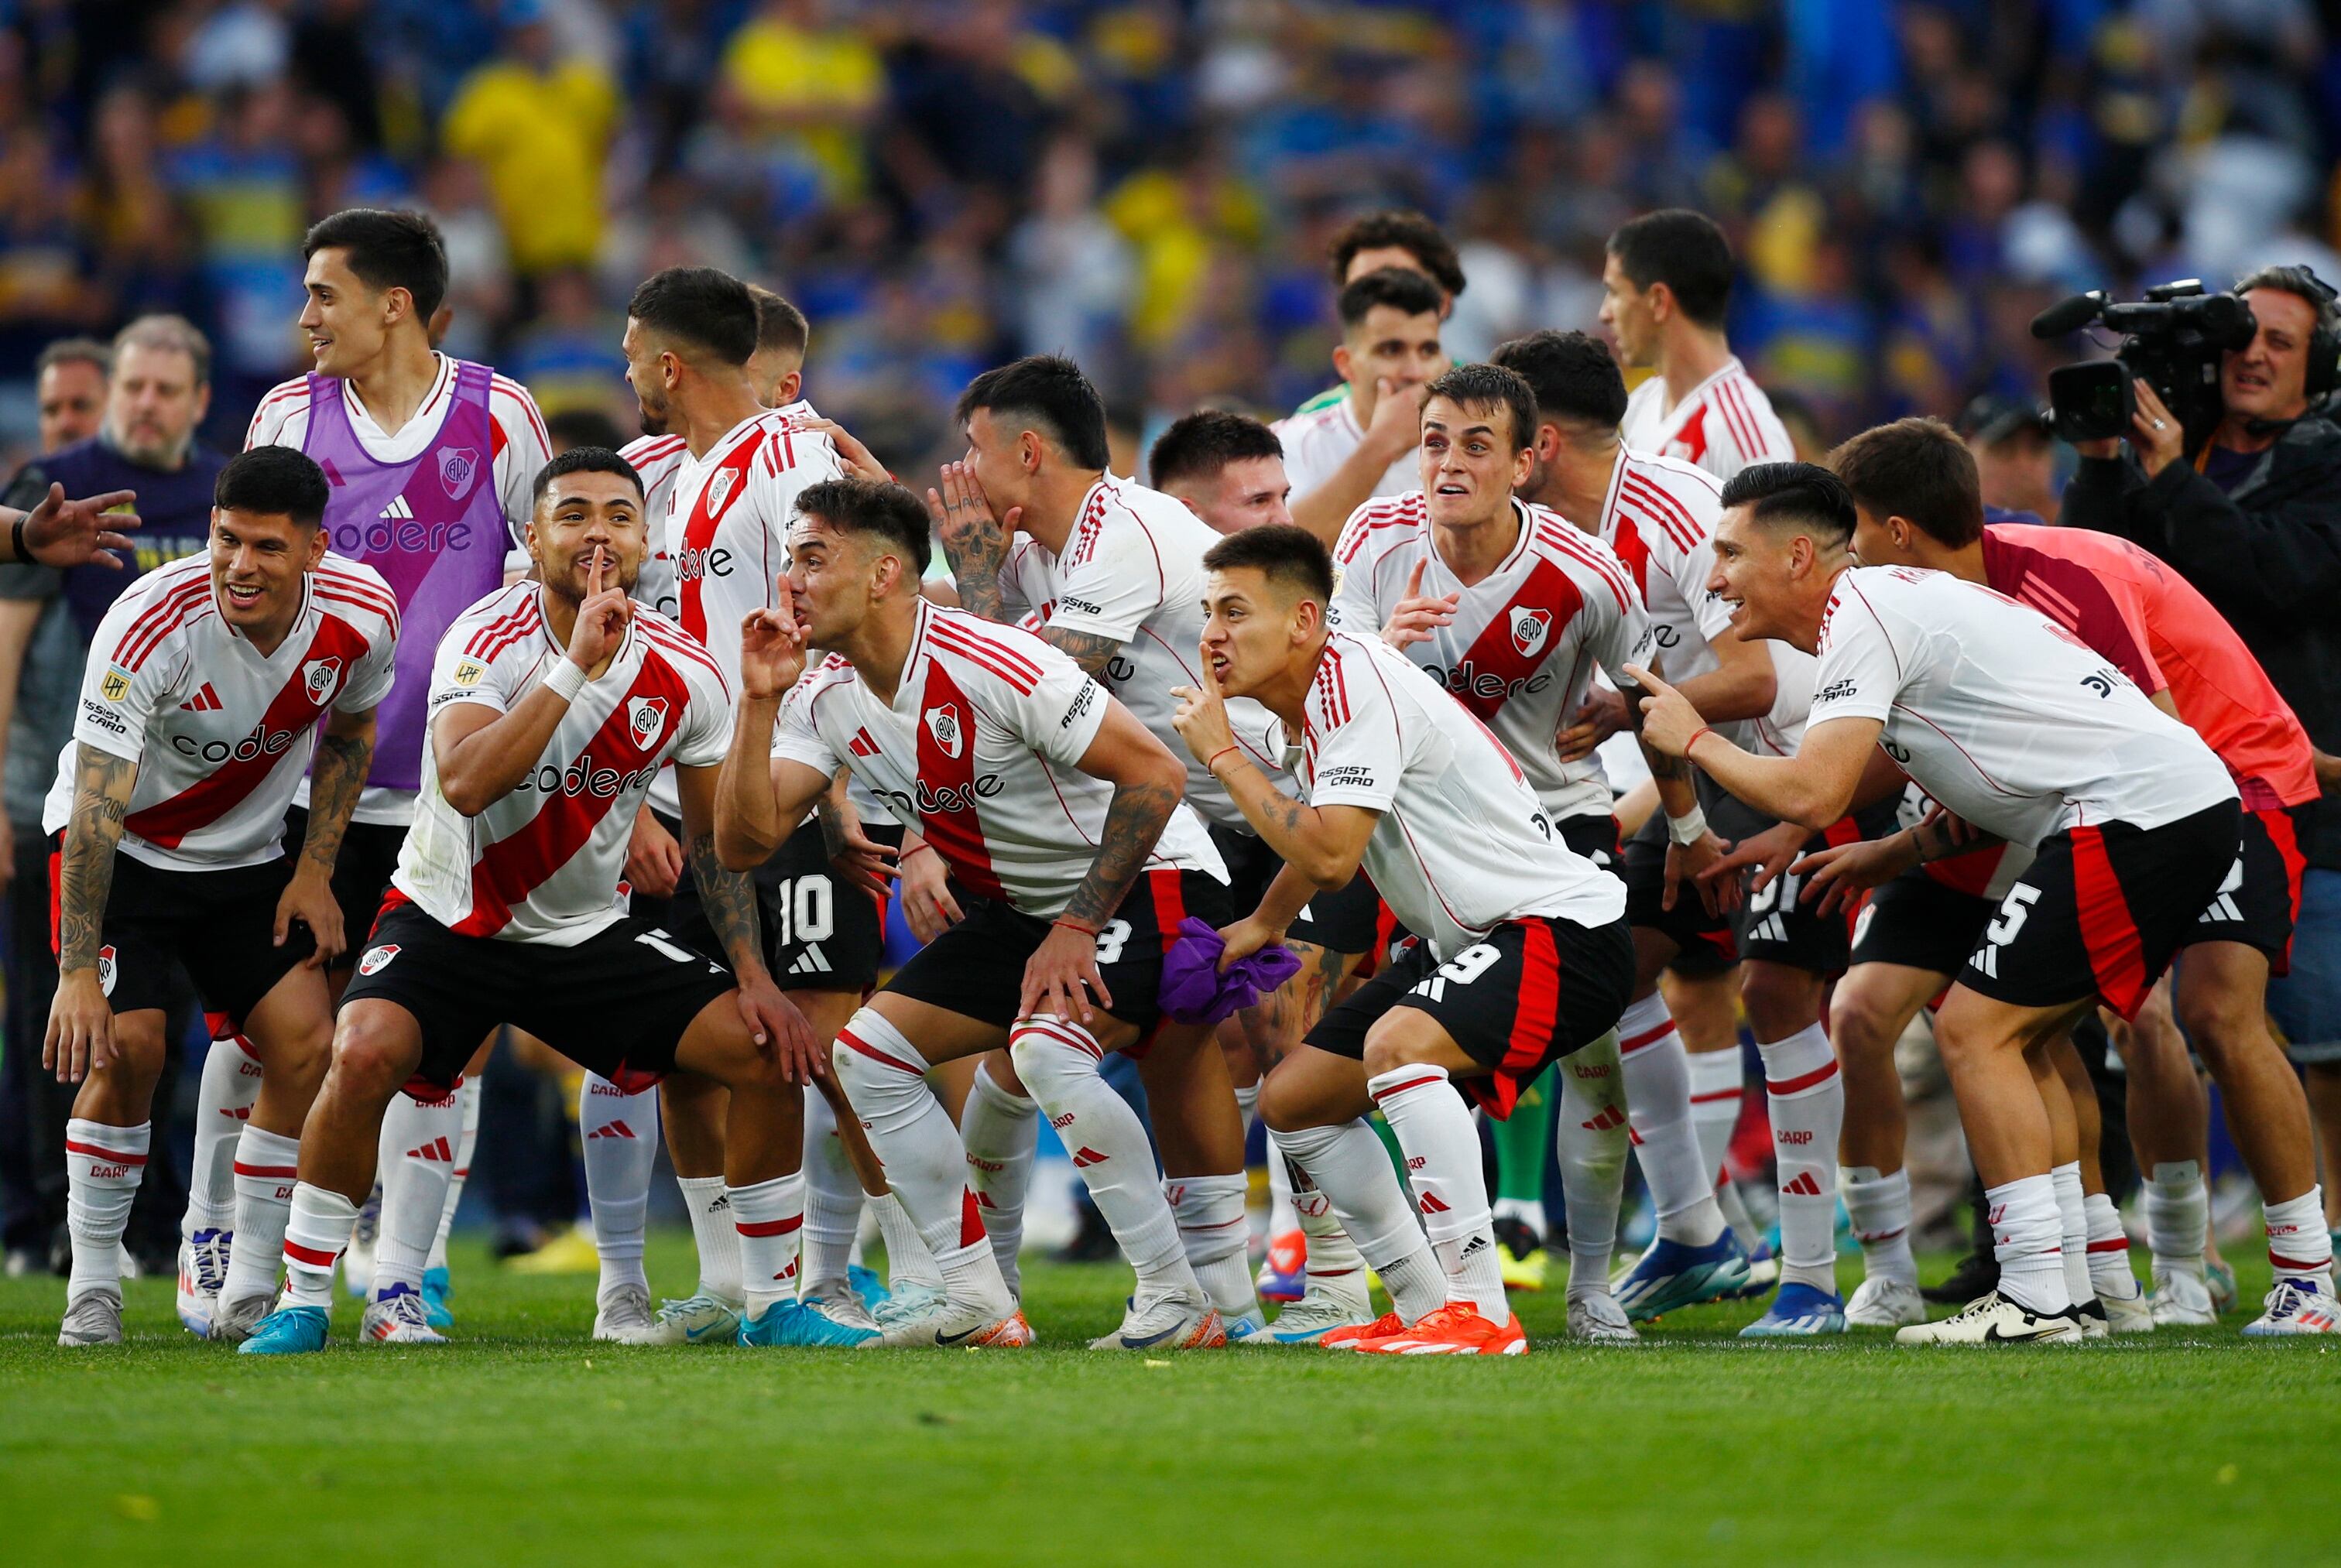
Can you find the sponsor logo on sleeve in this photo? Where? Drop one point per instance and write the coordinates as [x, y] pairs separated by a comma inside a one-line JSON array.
[[468, 672], [1836, 691], [1080, 606], [115, 683], [1082, 703], [105, 717]]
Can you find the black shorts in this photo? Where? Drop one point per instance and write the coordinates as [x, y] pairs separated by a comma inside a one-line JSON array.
[[2102, 909], [1705, 944], [218, 929], [1346, 920], [361, 873], [1779, 926], [819, 933], [616, 1003], [2260, 899], [1527, 994], [976, 968], [1594, 835], [1920, 923]]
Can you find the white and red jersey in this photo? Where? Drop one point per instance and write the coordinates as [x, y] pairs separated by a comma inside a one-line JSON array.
[[1133, 571], [1526, 638], [980, 750], [1316, 441], [1463, 844], [543, 864], [1723, 424], [221, 732], [2001, 714], [658, 459]]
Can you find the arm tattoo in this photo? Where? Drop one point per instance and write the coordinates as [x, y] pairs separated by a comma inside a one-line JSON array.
[[342, 763], [102, 784], [976, 554], [1661, 766], [1092, 650], [832, 815], [729, 901], [1133, 822]]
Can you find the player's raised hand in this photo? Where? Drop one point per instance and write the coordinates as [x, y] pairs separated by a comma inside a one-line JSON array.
[[1396, 428], [772, 650], [1063, 975], [974, 540], [1201, 715], [1418, 615], [1670, 723], [780, 1030], [61, 533], [602, 617]]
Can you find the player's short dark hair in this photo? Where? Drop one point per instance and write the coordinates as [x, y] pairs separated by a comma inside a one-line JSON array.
[[1200, 444], [1048, 393], [1918, 469], [852, 504], [1573, 375], [1398, 230], [1683, 249], [780, 327], [708, 310], [584, 459], [1283, 552], [274, 481], [75, 350], [576, 427], [387, 249], [1484, 388], [1410, 293], [1803, 493]]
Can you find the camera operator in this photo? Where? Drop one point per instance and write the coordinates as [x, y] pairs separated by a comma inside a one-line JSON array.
[[2253, 519]]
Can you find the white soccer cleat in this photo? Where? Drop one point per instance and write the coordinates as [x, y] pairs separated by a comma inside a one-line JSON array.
[[1598, 1319], [701, 1319], [2181, 1300], [1251, 1329], [1885, 1303], [948, 1325], [358, 1259], [1993, 1319], [92, 1317], [1172, 1321], [623, 1316], [2128, 1313], [909, 1302], [2297, 1306], [1316, 1315], [839, 1302], [2094, 1324], [234, 1321], [203, 1269], [399, 1318]]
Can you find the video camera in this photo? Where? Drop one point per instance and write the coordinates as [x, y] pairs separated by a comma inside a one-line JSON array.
[[2174, 338]]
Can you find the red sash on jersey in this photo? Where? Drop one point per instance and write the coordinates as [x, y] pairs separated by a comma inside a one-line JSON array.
[[725, 485], [947, 813], [1518, 637]]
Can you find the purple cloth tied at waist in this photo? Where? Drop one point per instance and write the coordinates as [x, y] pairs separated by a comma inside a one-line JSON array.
[[1193, 990]]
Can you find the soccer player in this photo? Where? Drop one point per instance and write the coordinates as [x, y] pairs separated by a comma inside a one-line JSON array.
[[1345, 453], [554, 704], [198, 714], [1392, 237], [430, 460], [1227, 468], [2029, 736], [1047, 798], [1521, 955], [1917, 490]]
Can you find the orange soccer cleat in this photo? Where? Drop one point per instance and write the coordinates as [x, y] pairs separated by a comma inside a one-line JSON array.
[[1455, 1329]]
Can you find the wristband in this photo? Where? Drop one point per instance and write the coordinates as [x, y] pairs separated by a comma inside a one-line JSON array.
[[1213, 760], [16, 536], [1075, 925], [1702, 730], [914, 850], [1688, 828], [566, 681]]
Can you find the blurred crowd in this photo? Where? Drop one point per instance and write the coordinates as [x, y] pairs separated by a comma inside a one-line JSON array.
[[1148, 183]]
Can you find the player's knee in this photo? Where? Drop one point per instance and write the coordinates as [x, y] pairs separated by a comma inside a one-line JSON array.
[[369, 1056], [1045, 1050], [1862, 1026], [2221, 1027], [1284, 1107], [1780, 1000]]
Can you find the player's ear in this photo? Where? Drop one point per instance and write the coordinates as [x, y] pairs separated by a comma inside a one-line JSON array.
[[1341, 360], [1661, 298], [317, 539]]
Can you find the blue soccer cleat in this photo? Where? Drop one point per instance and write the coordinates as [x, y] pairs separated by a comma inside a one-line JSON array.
[[1798, 1311], [436, 1288], [1671, 1274], [802, 1323], [867, 1285], [287, 1331]]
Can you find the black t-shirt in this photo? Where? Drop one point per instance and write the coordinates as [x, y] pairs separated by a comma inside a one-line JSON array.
[[174, 513]]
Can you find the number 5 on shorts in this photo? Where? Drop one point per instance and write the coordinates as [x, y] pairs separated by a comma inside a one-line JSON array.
[[2013, 912]]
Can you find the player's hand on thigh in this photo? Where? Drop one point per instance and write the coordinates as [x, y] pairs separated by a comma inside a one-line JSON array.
[[1061, 977], [653, 859], [1697, 862], [80, 1028], [1835, 876], [780, 1031], [309, 899], [927, 901]]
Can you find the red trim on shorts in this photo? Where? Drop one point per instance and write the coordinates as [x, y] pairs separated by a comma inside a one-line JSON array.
[[1539, 1001], [2116, 953], [2276, 822], [1169, 904]]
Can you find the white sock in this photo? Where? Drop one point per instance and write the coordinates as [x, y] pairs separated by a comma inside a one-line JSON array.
[[884, 1076], [619, 1133], [1210, 1212], [267, 1167], [908, 1261], [1879, 1208], [103, 1165], [1349, 1166], [720, 1269], [2027, 1238], [832, 1200], [1590, 1138], [1058, 1061], [1283, 1214], [1334, 1265], [421, 1141], [1246, 1106], [2299, 1245], [1657, 1074], [2110, 1271], [998, 1129], [2073, 1230], [316, 1231], [1805, 1094], [1450, 1186], [769, 1219], [467, 1103], [1718, 1085], [231, 1082], [2177, 1215]]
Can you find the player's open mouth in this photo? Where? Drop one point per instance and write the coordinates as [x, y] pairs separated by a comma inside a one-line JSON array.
[[242, 597], [2252, 380], [1454, 490]]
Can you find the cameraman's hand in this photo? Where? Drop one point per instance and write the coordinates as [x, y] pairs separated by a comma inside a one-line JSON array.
[[2154, 432]]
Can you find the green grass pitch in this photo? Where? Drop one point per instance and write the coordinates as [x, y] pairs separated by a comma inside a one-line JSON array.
[[527, 1443]]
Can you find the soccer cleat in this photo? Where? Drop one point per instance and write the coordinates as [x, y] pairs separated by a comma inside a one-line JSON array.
[[1993, 1319], [952, 1325], [802, 1323], [1167, 1322], [623, 1316], [1885, 1303], [358, 1259], [203, 1269], [1308, 1320], [840, 1303], [1672, 1274], [1977, 1274], [1799, 1312], [436, 1288], [2297, 1306], [1251, 1329], [92, 1317], [1284, 1271], [905, 1303], [399, 1318], [2181, 1300], [235, 1320], [2094, 1325], [867, 1285], [2221, 1281], [1598, 1319], [1455, 1329], [1520, 1254], [701, 1319], [1387, 1324], [1763, 1274], [2128, 1314], [288, 1331]]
